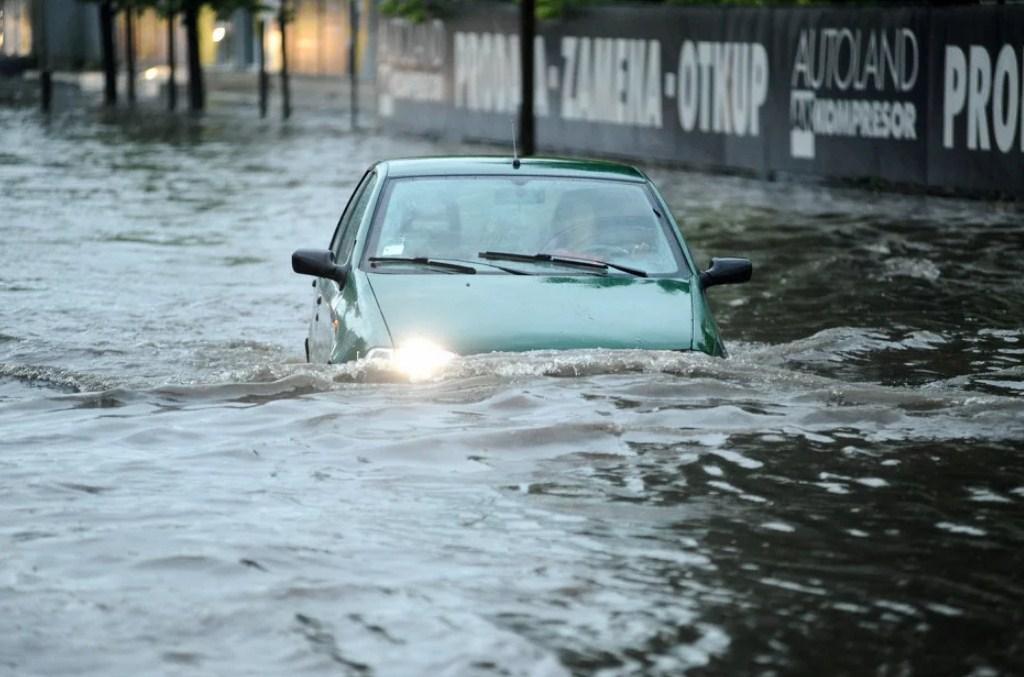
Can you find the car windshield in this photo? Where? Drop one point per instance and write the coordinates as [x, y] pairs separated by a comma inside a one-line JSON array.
[[458, 217]]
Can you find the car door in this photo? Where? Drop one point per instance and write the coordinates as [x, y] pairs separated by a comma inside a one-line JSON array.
[[326, 326]]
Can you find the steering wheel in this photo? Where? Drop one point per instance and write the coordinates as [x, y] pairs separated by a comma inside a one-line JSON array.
[[558, 239], [602, 251]]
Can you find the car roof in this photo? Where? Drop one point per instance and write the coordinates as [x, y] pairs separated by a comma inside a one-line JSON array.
[[502, 166]]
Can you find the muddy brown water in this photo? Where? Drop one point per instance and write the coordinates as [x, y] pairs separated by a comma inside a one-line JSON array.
[[180, 494]]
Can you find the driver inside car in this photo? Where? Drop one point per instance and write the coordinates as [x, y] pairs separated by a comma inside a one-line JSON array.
[[575, 230], [582, 230]]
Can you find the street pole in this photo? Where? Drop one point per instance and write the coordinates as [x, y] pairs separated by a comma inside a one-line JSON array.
[[129, 56], [527, 31], [286, 103], [172, 85], [353, 73], [261, 29]]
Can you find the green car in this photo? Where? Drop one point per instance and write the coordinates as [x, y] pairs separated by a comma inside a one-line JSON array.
[[463, 255]]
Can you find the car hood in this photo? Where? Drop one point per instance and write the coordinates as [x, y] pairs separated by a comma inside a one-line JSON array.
[[482, 313]]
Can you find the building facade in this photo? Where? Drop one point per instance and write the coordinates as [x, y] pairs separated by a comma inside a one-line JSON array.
[[65, 35]]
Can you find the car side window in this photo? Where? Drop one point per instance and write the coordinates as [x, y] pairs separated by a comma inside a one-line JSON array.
[[339, 229], [348, 228]]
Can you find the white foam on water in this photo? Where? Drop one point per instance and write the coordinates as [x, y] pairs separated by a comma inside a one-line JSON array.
[[778, 526], [965, 529]]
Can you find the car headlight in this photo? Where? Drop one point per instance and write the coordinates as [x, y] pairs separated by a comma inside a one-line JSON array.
[[416, 358]]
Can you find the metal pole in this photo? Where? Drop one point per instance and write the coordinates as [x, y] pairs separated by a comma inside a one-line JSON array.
[[261, 28], [353, 74], [527, 31], [286, 103], [172, 84]]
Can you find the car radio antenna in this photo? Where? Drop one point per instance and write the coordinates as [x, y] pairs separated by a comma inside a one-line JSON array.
[[515, 149]]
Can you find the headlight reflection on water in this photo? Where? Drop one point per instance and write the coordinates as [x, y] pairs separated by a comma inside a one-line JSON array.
[[416, 358]]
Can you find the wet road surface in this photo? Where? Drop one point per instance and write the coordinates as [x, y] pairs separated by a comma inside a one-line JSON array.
[[181, 494]]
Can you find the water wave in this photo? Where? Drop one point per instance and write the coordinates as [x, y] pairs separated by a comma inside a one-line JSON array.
[[182, 493], [57, 378]]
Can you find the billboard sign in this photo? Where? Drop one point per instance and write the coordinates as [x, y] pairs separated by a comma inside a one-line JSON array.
[[932, 97]]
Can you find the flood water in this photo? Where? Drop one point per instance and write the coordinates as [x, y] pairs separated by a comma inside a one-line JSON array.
[[180, 494]]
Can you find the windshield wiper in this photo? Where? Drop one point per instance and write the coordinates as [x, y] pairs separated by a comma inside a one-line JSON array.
[[423, 261], [593, 264], [505, 269]]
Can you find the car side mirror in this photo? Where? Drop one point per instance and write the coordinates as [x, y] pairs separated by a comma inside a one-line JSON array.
[[319, 263], [726, 271]]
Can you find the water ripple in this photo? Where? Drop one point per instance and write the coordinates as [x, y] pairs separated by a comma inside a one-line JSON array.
[[181, 492]]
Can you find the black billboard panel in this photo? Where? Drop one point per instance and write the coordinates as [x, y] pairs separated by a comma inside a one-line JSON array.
[[854, 92], [976, 102], [904, 94]]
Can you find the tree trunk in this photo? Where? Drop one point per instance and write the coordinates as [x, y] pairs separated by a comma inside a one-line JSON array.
[[43, 58], [109, 54], [286, 98], [129, 53], [260, 39], [196, 93], [172, 84], [353, 73]]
